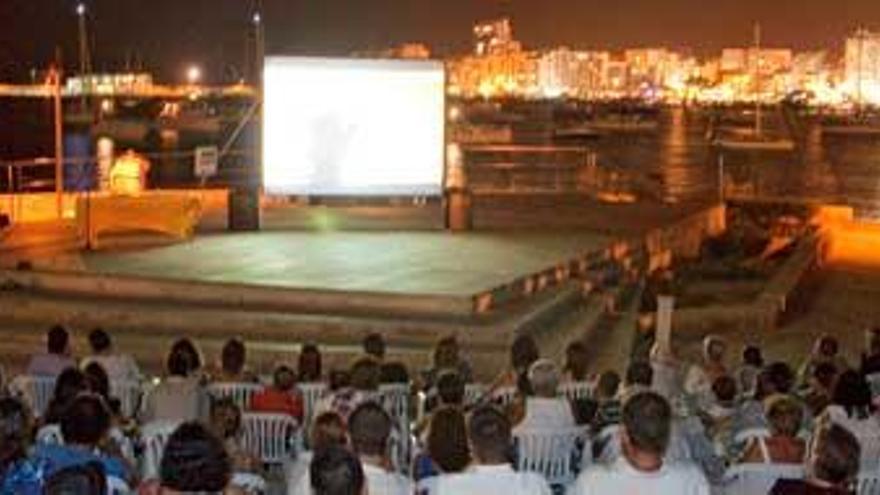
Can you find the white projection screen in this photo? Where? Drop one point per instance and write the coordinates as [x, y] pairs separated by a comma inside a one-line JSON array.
[[353, 127]]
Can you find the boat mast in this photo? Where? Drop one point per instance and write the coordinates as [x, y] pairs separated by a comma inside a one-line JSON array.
[[757, 78], [860, 36]]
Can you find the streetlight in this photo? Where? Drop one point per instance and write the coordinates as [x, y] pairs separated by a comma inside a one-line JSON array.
[[193, 74]]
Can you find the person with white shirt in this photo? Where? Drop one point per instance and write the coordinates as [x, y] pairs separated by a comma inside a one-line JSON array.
[[119, 367], [370, 427], [57, 356], [489, 432], [545, 409], [181, 396], [641, 470]]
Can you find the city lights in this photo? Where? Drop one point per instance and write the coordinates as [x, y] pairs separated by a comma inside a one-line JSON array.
[[193, 74], [81, 9]]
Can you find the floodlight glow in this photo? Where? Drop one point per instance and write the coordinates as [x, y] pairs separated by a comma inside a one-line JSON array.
[[353, 127]]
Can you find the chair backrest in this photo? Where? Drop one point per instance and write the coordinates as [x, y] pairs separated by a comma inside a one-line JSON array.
[[548, 452], [744, 436], [311, 393], [274, 438], [504, 396], [240, 393], [37, 391], [868, 483], [249, 483], [50, 435], [116, 486], [870, 453], [395, 400], [576, 390], [473, 392], [129, 393], [758, 478], [154, 436]]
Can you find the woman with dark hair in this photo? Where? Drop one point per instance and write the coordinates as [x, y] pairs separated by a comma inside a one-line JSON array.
[[186, 349], [523, 353], [309, 365], [851, 406], [447, 440], [70, 383], [226, 424], [233, 361], [576, 364], [181, 395], [18, 475]]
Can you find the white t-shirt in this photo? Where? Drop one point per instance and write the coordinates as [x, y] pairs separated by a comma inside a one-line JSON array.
[[547, 413], [485, 480], [299, 481], [622, 479], [119, 367], [382, 482]]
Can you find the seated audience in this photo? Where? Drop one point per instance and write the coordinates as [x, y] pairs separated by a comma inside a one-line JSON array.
[[489, 431], [785, 415], [328, 430], [70, 383], [608, 412], [364, 385], [180, 396], [309, 365], [832, 466], [577, 364], [700, 377], [232, 364], [18, 473], [282, 396], [645, 436], [523, 353], [336, 471], [374, 346], [777, 378], [747, 374], [57, 356], [85, 427], [447, 357], [871, 358], [821, 386], [446, 449], [825, 350], [370, 428], [545, 409], [225, 423], [851, 407], [639, 378], [119, 367], [194, 461]]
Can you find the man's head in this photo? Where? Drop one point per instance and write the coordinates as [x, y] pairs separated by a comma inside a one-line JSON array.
[[544, 378], [781, 377], [328, 430], [826, 347], [647, 420], [233, 356], [489, 432], [639, 373], [523, 352], [58, 340], [446, 353], [824, 375], [186, 356], [607, 385], [284, 378], [99, 340], [366, 374], [714, 349], [450, 388], [85, 421], [225, 418], [784, 414], [195, 460], [374, 346], [336, 471], [835, 455], [752, 356], [369, 426]]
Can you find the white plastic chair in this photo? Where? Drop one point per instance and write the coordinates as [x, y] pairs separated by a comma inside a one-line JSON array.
[[395, 400], [758, 478], [548, 452], [868, 483], [50, 435], [154, 436], [250, 483], [129, 393], [576, 390], [36, 391], [274, 438], [240, 393], [504, 396], [311, 393], [473, 392], [870, 453], [116, 486]]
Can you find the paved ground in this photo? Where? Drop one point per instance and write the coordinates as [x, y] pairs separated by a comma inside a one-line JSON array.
[[412, 262]]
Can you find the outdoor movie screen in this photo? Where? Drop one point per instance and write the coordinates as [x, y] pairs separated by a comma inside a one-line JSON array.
[[353, 127]]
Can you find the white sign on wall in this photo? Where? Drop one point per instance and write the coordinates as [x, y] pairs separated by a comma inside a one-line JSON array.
[[206, 161]]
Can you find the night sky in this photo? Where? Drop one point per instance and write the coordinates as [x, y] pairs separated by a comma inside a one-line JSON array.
[[167, 35]]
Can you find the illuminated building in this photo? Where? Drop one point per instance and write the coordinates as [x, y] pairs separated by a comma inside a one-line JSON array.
[[500, 67], [109, 84], [495, 37], [862, 66], [649, 66]]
